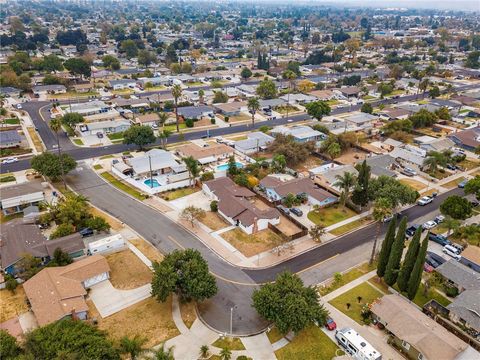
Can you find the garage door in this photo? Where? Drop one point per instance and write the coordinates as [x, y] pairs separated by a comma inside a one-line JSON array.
[[95, 280]]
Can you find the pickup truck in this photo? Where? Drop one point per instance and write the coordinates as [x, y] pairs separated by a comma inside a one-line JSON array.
[[439, 239]]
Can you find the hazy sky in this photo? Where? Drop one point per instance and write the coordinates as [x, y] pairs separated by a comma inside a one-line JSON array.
[[471, 5]]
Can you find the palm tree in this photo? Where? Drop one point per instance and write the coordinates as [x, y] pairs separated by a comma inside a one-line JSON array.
[[204, 352], [132, 346], [253, 106], [381, 209], [225, 354], [201, 95], [451, 224], [176, 93], [435, 158], [56, 126], [345, 182], [164, 354], [162, 118], [192, 167], [423, 86], [290, 76], [163, 136]]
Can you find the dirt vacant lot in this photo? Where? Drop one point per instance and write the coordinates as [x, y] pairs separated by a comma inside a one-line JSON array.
[[214, 221], [250, 245], [12, 304], [127, 271]]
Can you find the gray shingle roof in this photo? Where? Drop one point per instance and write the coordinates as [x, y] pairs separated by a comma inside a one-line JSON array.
[[460, 274], [9, 136]]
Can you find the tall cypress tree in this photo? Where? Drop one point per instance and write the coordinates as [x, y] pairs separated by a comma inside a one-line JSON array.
[[360, 194], [391, 272], [259, 61], [409, 261], [386, 247], [416, 276]]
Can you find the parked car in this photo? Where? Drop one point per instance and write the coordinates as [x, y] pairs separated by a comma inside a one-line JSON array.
[[86, 232], [408, 172], [458, 247], [387, 218], [330, 324], [462, 184], [296, 211], [451, 167], [424, 200], [439, 239], [19, 106], [452, 251], [411, 230], [283, 209], [9, 160], [99, 135], [431, 261], [474, 203], [427, 267], [429, 225], [439, 219]]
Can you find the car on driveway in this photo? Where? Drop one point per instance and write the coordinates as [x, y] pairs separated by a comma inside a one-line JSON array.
[[452, 251], [424, 200], [427, 267], [429, 225], [462, 184], [439, 239], [439, 219], [283, 209], [86, 232], [411, 230], [296, 211], [10, 160], [432, 262], [330, 324], [408, 172]]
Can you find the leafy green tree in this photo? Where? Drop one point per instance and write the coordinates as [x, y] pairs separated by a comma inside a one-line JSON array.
[[69, 339], [386, 248], [246, 73], [389, 188], [225, 354], [316, 232], [146, 57], [409, 261], [62, 230], [139, 135], [193, 168], [220, 97], [97, 223], [433, 160], [129, 47], [278, 163], [393, 265], [381, 209], [473, 186], [333, 150], [360, 194], [111, 62], [232, 166], [456, 207], [423, 118], [51, 165], [317, 109], [289, 292], [472, 60], [416, 275], [293, 151], [78, 66], [51, 63], [132, 346], [367, 108], [266, 89], [60, 258], [434, 92], [72, 119], [9, 348], [184, 272], [345, 182], [253, 106]]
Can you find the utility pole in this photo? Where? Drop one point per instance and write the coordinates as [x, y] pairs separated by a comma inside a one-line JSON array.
[[231, 321], [151, 174]]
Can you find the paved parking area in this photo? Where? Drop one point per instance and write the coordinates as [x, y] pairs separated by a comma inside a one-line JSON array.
[[199, 199]]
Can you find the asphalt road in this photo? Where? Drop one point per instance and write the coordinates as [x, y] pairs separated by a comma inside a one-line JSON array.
[[235, 284]]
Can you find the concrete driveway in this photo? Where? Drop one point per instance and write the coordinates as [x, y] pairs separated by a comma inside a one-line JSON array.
[[198, 199], [109, 300]]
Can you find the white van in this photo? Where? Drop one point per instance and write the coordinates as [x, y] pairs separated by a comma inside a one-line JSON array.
[[452, 251]]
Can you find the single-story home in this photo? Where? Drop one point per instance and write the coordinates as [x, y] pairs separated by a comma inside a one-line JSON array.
[[349, 91], [362, 120], [323, 95], [255, 142], [465, 309], [158, 161], [394, 114], [104, 127], [328, 177], [134, 104], [88, 108], [10, 91], [298, 98], [417, 335], [10, 139], [83, 88], [196, 112], [407, 157], [48, 89], [235, 206], [15, 198], [460, 276], [150, 119], [436, 144], [467, 139], [301, 133], [57, 293], [205, 153], [231, 109], [381, 165], [122, 84], [276, 190]]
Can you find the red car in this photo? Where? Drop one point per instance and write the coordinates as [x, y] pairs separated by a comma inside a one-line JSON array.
[[331, 325], [428, 268]]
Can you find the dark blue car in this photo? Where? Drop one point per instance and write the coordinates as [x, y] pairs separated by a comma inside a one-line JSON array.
[[439, 239]]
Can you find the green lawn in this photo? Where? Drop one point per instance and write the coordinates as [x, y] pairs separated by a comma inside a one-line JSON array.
[[97, 167], [421, 299], [7, 218], [173, 127], [367, 293], [230, 343], [115, 136], [12, 121], [122, 186], [176, 194], [8, 178], [310, 344], [107, 157], [330, 215], [333, 102], [350, 226], [78, 141], [347, 277], [274, 335]]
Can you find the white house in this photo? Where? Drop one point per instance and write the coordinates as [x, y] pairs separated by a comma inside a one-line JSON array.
[[17, 197], [104, 127], [255, 142]]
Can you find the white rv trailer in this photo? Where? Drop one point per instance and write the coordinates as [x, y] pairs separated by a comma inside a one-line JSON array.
[[355, 345]]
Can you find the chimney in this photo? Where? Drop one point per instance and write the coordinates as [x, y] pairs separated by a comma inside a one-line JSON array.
[[255, 226]]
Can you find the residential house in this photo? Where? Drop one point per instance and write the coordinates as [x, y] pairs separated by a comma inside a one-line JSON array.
[[236, 206], [57, 293], [467, 139], [122, 84], [471, 257], [271, 103], [298, 98], [465, 309], [276, 189], [349, 91], [204, 152], [394, 114], [102, 127], [83, 88], [132, 103], [459, 276], [434, 144], [254, 143], [155, 81], [150, 119], [196, 112], [10, 91], [10, 139], [15, 198], [381, 165], [407, 157], [159, 162], [231, 109], [323, 95], [300, 133], [247, 90], [465, 100], [48, 89], [88, 108], [452, 105], [415, 334], [19, 238], [362, 120], [328, 176]]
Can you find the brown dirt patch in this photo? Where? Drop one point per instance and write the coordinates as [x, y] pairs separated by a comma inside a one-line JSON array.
[[214, 221], [127, 271], [148, 318], [12, 304], [250, 245], [310, 162], [189, 314], [114, 223], [147, 249], [287, 227], [414, 184], [352, 156], [203, 122]]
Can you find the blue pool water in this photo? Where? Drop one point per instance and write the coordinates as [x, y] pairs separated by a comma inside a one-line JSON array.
[[224, 167], [151, 183]]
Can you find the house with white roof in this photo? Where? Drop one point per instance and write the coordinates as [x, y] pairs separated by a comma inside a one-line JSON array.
[[300, 133], [255, 142], [104, 127]]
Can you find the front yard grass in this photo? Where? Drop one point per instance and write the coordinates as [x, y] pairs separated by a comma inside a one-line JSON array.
[[115, 136], [469, 164], [12, 304], [421, 298], [127, 271], [78, 142], [346, 278], [178, 193], [414, 184], [274, 335], [149, 319], [250, 245], [213, 221], [122, 186], [440, 174], [367, 293], [351, 226], [189, 315], [453, 183], [330, 215], [228, 342], [147, 249], [97, 167], [12, 121], [35, 139], [309, 344]]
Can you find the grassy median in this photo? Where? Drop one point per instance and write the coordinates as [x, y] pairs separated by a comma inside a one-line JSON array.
[[122, 186]]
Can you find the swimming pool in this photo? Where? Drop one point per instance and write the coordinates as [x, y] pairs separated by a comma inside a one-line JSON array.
[[151, 183], [224, 167]]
